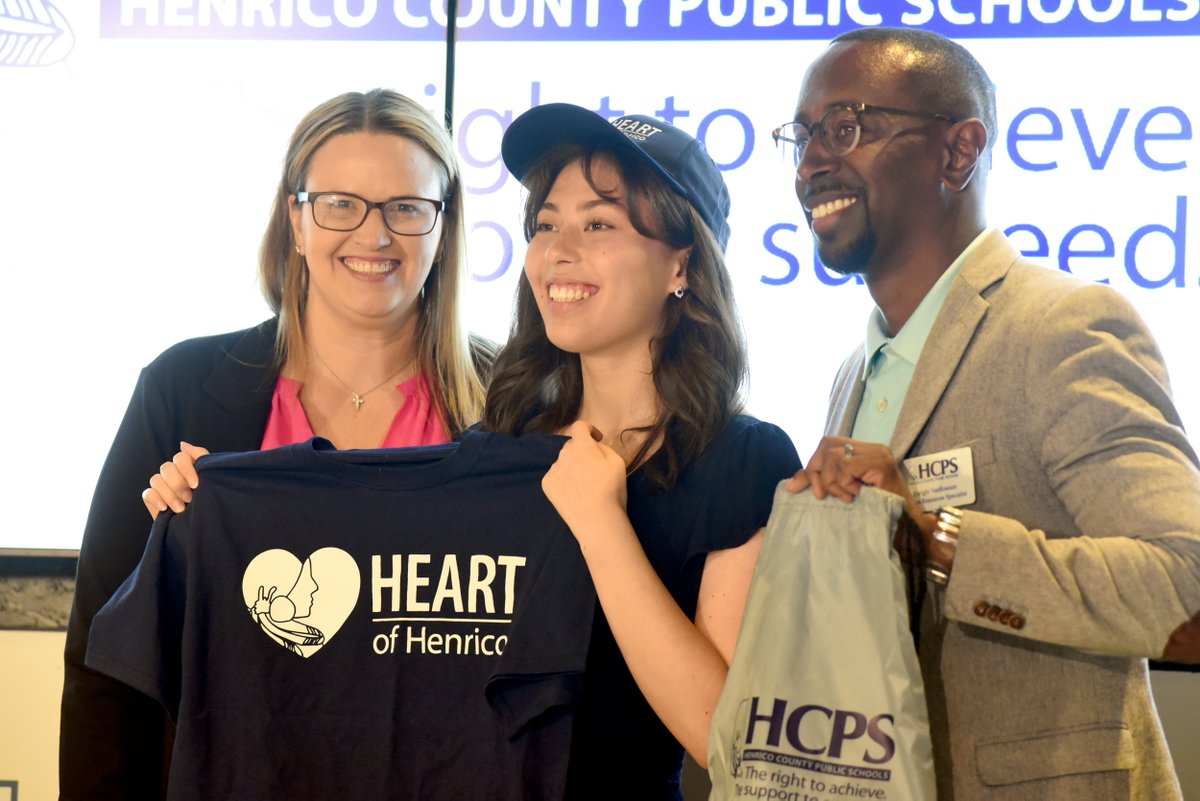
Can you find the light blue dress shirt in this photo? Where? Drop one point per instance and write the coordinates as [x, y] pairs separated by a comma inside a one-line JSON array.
[[890, 362]]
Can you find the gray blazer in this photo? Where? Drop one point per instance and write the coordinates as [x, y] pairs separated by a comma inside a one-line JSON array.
[[1081, 552]]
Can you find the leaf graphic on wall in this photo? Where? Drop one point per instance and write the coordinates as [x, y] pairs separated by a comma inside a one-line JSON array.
[[33, 33]]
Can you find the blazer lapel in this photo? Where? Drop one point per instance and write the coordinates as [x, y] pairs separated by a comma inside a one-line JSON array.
[[961, 314], [246, 375], [846, 395]]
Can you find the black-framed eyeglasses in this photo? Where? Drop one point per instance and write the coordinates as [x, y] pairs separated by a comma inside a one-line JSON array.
[[342, 211], [840, 130]]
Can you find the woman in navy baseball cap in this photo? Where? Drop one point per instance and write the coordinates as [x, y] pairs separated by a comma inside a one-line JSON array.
[[626, 339]]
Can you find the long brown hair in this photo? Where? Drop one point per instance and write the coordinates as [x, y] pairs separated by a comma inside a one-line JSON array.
[[442, 346], [698, 355]]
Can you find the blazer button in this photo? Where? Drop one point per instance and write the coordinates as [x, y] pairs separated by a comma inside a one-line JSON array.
[[993, 613], [1017, 622], [1005, 617], [981, 608]]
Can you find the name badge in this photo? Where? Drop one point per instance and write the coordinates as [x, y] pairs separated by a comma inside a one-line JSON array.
[[942, 479]]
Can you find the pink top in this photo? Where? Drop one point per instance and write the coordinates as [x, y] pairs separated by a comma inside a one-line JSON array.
[[416, 422]]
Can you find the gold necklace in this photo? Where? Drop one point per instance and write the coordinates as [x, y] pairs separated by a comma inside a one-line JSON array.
[[357, 398]]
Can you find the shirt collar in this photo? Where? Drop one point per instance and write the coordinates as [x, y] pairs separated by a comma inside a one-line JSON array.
[[910, 340]]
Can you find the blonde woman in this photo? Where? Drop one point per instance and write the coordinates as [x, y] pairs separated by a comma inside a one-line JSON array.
[[362, 263]]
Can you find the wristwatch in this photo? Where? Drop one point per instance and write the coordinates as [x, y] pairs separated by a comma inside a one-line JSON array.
[[945, 531]]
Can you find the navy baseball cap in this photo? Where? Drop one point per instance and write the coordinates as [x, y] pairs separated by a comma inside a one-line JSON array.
[[679, 158]]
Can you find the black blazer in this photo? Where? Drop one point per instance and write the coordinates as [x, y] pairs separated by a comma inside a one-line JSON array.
[[214, 391]]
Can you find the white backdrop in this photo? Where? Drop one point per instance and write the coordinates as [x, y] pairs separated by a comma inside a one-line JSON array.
[[142, 142]]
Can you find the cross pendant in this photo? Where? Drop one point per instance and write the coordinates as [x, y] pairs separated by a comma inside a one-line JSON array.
[[357, 401]]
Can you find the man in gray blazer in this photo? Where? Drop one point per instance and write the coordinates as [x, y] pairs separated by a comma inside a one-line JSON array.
[[1027, 421]]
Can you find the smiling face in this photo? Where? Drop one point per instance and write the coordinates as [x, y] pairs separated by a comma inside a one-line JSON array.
[[872, 204], [600, 285], [368, 276]]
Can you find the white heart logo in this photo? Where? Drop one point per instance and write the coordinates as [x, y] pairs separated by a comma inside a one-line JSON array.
[[301, 606]]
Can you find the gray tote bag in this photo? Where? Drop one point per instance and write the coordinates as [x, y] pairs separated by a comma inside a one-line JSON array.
[[824, 699]]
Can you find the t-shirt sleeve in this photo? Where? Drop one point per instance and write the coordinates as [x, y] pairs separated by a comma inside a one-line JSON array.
[[741, 473], [135, 637]]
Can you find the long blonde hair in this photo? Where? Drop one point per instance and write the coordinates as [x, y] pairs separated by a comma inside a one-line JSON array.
[[442, 346]]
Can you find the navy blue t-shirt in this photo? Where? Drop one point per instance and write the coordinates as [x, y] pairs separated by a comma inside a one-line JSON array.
[[361, 624], [620, 748]]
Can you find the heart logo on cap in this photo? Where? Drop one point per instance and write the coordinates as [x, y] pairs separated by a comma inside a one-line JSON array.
[[301, 605]]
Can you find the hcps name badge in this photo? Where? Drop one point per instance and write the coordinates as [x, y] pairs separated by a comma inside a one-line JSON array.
[[942, 479]]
